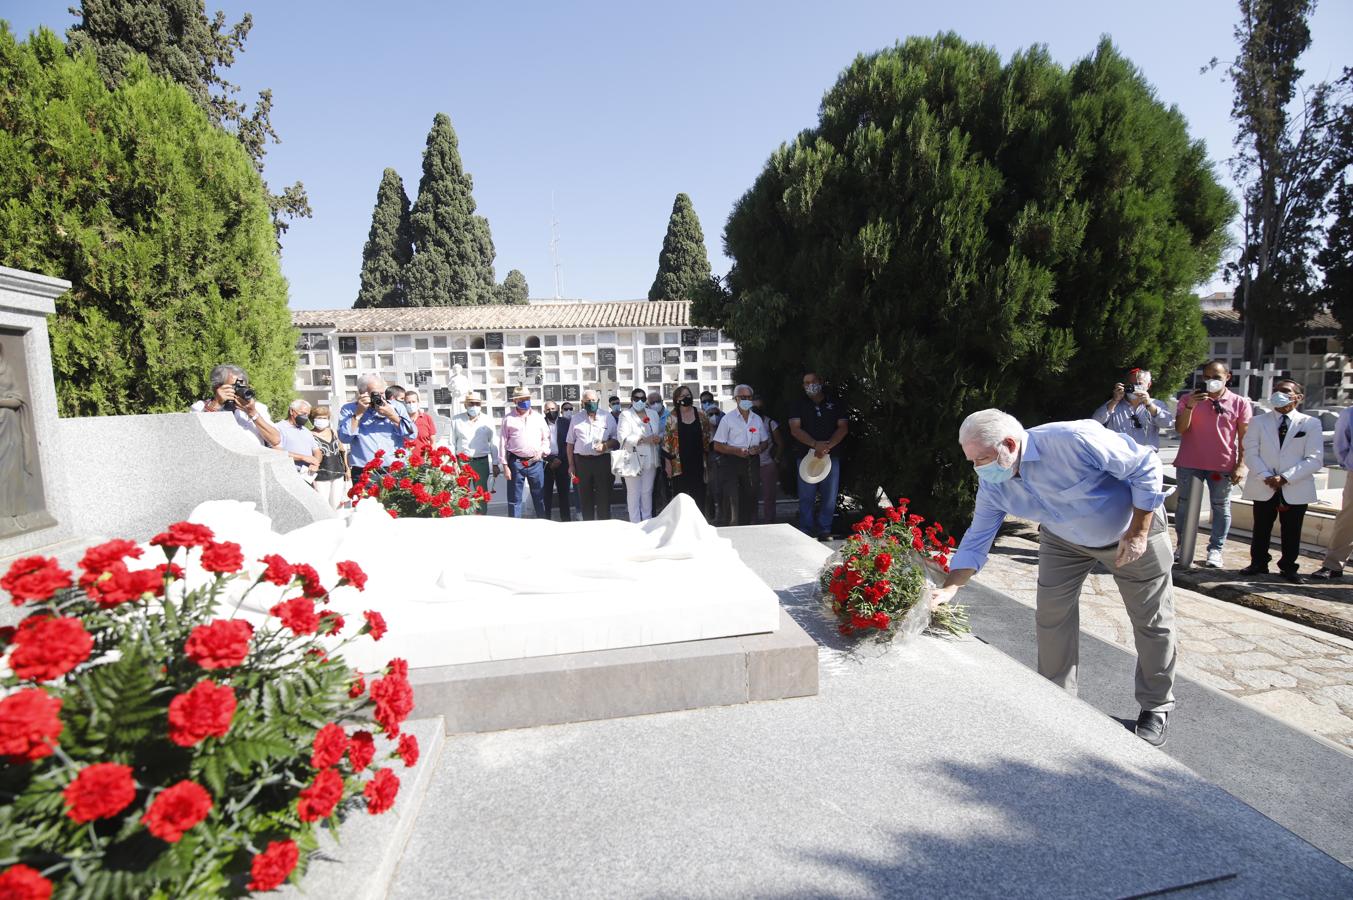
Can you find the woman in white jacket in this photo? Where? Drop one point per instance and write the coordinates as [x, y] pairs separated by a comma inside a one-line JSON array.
[[639, 433]]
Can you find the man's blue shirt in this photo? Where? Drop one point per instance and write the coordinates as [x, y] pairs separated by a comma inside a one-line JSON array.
[[1079, 480], [374, 432]]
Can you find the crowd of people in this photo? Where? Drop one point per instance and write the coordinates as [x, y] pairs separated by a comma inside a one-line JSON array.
[[729, 463]]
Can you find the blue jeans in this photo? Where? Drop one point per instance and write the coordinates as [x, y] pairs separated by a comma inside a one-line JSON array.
[[826, 491], [1220, 492], [522, 475]]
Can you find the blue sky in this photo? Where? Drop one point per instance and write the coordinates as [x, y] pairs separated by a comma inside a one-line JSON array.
[[615, 107]]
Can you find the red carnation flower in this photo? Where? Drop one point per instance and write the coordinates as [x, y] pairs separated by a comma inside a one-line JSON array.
[[310, 583], [358, 687], [375, 624], [172, 571], [203, 711], [97, 559], [408, 749], [219, 644], [396, 466], [47, 648], [361, 750], [330, 743], [1215, 476], [177, 809], [34, 578], [381, 791], [860, 622], [271, 867], [19, 882], [394, 513], [394, 701], [388, 482], [881, 619], [278, 570], [319, 799], [397, 667], [351, 573], [223, 557], [29, 725], [464, 503], [118, 585], [100, 791], [298, 614], [646, 422], [883, 562], [330, 622], [446, 512], [183, 534]]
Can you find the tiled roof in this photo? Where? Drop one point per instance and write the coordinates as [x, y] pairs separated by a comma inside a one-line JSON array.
[[609, 314], [1226, 323]]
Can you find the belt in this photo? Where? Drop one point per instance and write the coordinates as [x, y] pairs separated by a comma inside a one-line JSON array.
[[519, 458]]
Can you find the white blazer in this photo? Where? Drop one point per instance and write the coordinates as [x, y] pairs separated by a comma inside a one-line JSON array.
[[1299, 458], [633, 427]]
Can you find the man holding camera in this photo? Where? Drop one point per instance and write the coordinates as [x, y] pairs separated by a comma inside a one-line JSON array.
[[230, 392], [373, 423], [1132, 411]]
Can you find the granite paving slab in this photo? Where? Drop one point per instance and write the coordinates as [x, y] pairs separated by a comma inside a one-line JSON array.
[[938, 768]]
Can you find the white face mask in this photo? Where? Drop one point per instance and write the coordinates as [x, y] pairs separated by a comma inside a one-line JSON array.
[[1212, 385], [472, 411], [1279, 399], [321, 424]]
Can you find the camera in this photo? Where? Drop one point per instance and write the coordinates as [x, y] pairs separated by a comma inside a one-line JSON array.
[[377, 399], [243, 394]]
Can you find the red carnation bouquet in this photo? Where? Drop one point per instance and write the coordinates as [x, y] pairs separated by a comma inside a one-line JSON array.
[[421, 481], [154, 745], [877, 582]]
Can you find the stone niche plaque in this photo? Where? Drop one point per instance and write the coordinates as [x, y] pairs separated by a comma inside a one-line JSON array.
[[34, 502], [23, 503]]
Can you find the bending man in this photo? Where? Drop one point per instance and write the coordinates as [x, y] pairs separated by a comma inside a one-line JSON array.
[[1098, 497]]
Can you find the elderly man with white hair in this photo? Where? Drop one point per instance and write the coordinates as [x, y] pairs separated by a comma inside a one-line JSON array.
[[740, 438], [1099, 500], [372, 423], [298, 441]]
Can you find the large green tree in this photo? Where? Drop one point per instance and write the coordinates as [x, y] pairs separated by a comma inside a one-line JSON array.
[[958, 233], [683, 263], [182, 44], [157, 217], [514, 289], [453, 251], [389, 247], [1291, 153]]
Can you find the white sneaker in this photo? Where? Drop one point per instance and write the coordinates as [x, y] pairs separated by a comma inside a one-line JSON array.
[[1214, 559]]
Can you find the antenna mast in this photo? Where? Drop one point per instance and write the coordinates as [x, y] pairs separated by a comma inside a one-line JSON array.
[[554, 251]]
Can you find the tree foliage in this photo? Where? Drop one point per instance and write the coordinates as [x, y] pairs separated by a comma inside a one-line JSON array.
[[684, 262], [453, 251], [389, 247], [180, 43], [1292, 150], [157, 217], [514, 289], [957, 233], [1336, 260]]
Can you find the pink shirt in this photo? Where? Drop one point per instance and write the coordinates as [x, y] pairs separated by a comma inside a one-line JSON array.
[[526, 435], [1211, 443]]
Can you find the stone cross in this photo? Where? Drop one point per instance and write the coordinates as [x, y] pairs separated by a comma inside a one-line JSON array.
[[1267, 375]]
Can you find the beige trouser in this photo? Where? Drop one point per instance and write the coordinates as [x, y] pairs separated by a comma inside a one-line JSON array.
[[1148, 596], [1341, 539]]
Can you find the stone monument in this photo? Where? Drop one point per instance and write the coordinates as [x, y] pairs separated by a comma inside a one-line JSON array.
[[33, 509]]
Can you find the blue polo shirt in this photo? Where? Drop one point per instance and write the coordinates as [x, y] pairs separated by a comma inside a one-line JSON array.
[[374, 432]]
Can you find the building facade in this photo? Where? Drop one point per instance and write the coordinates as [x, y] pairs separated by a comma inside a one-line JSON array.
[[1317, 360], [557, 349]]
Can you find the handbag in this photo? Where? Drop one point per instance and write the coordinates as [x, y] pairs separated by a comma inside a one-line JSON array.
[[625, 463]]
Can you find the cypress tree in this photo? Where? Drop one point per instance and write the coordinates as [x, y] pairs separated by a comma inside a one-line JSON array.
[[389, 247], [514, 289], [453, 251], [174, 266], [683, 263], [958, 232]]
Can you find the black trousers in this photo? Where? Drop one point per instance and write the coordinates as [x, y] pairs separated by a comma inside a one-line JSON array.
[[557, 482], [740, 481], [692, 484], [1289, 518], [594, 485]]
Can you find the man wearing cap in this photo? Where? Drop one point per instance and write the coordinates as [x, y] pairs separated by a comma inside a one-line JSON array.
[[817, 425], [739, 440], [474, 435], [524, 442]]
